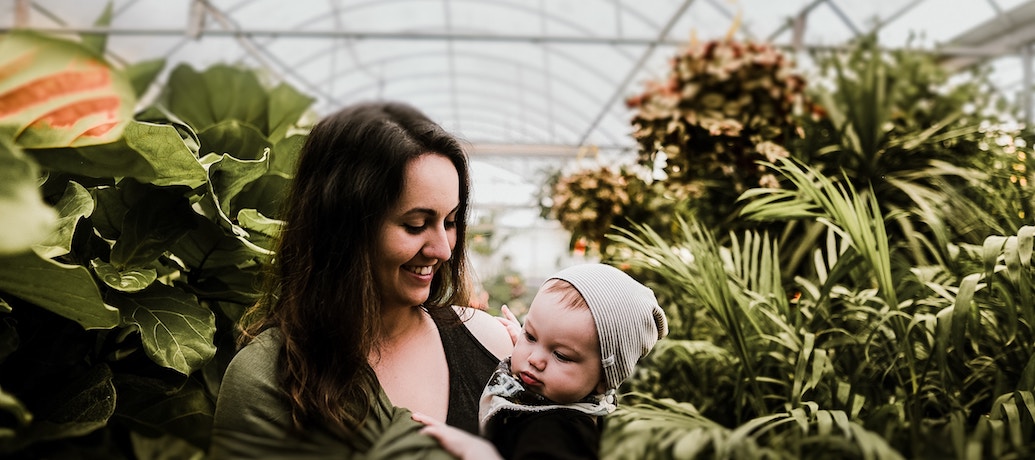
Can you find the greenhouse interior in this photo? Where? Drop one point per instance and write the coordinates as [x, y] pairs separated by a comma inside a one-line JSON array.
[[830, 200]]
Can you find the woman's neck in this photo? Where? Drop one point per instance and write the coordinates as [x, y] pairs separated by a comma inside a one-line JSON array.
[[398, 325]]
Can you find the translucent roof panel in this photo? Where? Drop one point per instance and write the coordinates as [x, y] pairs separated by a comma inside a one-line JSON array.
[[551, 75], [531, 85]]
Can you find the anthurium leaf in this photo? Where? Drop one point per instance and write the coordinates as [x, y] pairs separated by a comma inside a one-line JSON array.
[[142, 74], [67, 290], [150, 153], [24, 218], [128, 280], [57, 93], [150, 227], [176, 330], [220, 93], [78, 408], [74, 204], [234, 138], [287, 105]]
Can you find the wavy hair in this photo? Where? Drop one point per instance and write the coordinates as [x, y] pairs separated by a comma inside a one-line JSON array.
[[321, 292]]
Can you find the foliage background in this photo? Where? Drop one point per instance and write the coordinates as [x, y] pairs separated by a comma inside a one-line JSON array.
[[847, 275]]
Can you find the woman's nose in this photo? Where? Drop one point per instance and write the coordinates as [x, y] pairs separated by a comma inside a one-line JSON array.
[[438, 246]]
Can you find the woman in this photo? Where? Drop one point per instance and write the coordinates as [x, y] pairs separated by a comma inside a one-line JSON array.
[[359, 320]]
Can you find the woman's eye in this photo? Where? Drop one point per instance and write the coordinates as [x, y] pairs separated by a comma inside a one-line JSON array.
[[413, 228], [450, 224]]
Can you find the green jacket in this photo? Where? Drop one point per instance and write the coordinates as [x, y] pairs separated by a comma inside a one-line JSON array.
[[253, 419]]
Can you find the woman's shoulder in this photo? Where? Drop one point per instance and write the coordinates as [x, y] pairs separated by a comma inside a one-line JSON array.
[[487, 329]]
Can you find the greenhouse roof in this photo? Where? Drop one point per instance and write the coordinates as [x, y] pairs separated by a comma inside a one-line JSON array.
[[517, 77]]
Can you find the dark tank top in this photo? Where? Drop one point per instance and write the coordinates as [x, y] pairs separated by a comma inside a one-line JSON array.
[[470, 366]]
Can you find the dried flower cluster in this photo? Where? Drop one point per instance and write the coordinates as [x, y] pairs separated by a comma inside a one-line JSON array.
[[589, 201], [723, 106]]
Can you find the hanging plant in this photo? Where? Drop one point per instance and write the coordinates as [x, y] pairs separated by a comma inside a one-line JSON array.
[[724, 106]]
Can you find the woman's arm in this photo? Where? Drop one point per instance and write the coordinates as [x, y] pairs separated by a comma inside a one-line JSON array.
[[488, 330]]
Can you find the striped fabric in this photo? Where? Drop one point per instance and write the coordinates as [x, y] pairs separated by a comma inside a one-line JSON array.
[[628, 319]]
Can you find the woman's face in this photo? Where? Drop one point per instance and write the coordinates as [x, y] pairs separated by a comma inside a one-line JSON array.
[[420, 231], [558, 352]]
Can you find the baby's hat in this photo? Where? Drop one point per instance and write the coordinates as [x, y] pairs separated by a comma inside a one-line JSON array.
[[628, 319]]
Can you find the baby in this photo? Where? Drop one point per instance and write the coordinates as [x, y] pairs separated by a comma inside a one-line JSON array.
[[587, 327]]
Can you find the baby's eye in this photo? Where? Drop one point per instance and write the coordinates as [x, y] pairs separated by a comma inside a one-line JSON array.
[[562, 357], [529, 337]]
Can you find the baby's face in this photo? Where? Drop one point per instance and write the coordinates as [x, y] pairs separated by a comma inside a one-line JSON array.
[[558, 352]]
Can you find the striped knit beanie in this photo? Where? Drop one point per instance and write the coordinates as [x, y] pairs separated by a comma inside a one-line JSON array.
[[628, 319]]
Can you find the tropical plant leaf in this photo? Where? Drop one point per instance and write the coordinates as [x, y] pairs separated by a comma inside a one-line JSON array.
[[58, 93], [204, 99], [150, 153], [286, 107], [185, 412], [97, 43], [81, 406], [142, 74], [68, 290], [150, 227], [177, 332], [234, 138], [74, 204], [25, 219], [129, 280]]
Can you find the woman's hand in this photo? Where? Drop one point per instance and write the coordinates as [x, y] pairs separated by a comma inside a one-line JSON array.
[[461, 444], [509, 321]]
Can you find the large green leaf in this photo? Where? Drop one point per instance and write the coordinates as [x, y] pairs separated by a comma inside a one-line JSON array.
[[286, 106], [82, 405], [234, 138], [74, 204], [24, 218], [58, 93], [68, 290], [143, 73], [150, 227], [185, 411], [128, 280], [176, 330], [220, 93], [150, 153]]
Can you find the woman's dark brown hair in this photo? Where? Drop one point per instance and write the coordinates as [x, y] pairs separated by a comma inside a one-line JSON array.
[[321, 293]]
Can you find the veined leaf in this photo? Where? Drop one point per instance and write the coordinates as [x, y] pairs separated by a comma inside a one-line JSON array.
[[67, 290], [81, 406], [176, 330], [74, 204], [128, 280], [57, 93], [150, 227], [150, 153]]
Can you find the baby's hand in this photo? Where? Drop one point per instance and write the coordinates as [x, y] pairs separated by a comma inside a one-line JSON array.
[[459, 443], [510, 322]]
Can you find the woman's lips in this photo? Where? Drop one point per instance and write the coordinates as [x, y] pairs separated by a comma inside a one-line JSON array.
[[528, 379]]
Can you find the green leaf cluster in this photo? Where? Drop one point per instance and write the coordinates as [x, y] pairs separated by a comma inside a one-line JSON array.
[[118, 310]]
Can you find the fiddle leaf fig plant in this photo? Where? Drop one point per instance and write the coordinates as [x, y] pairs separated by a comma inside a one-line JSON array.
[[154, 225]]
